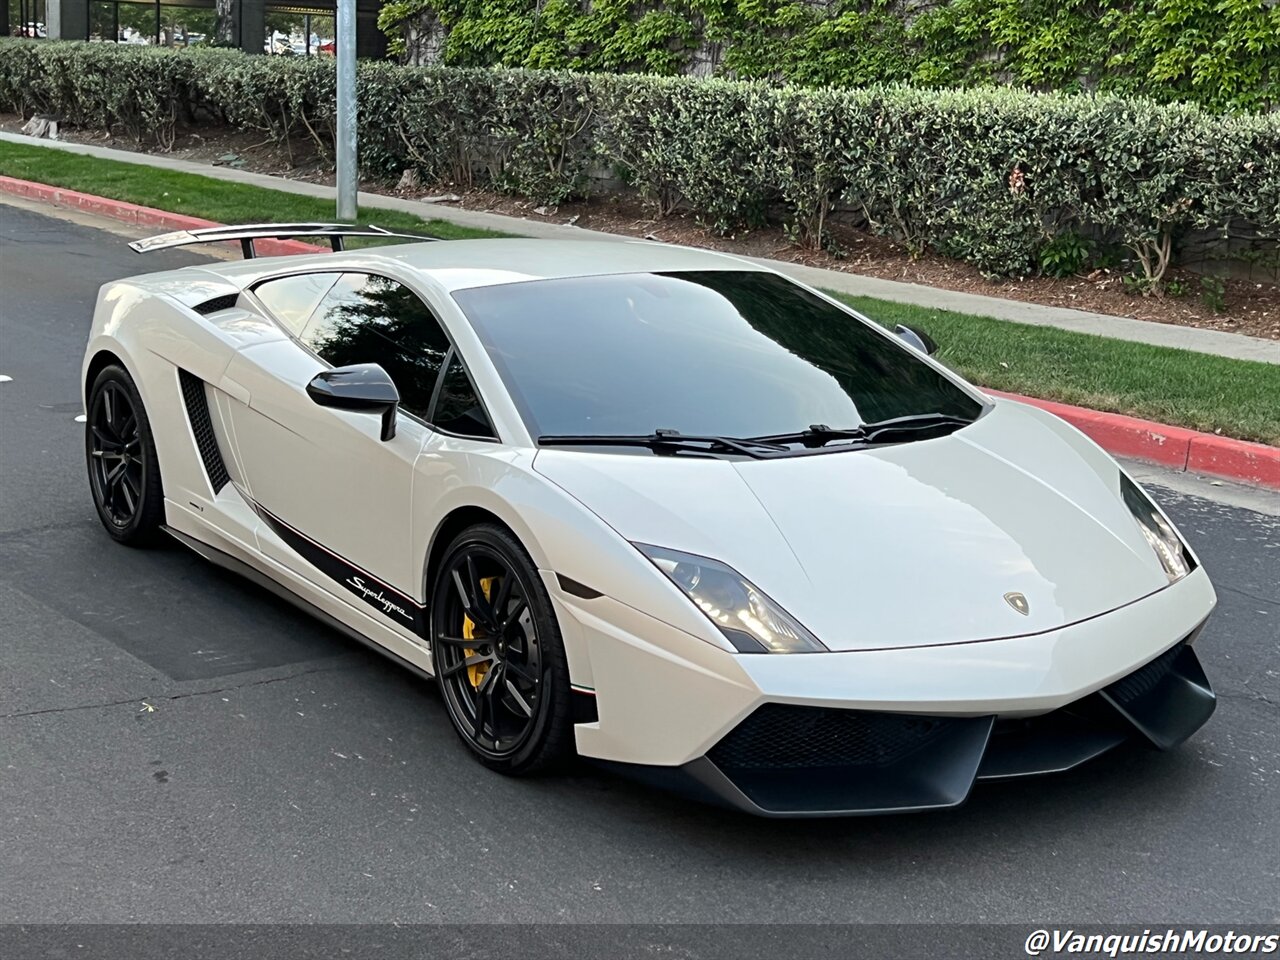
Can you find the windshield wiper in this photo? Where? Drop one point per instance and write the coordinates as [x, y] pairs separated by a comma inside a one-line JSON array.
[[819, 434], [671, 441]]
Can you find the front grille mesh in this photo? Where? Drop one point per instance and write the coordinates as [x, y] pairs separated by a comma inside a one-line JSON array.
[[1143, 680], [782, 736], [202, 427]]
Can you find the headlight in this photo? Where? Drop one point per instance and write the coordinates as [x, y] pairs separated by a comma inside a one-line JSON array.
[[1168, 546], [743, 613]]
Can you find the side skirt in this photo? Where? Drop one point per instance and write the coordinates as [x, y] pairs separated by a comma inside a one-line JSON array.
[[253, 574]]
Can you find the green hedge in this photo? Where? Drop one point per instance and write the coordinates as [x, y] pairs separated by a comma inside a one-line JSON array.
[[1000, 178]]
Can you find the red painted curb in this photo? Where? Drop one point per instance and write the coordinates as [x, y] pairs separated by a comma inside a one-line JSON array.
[[135, 214], [1222, 457], [1124, 436]]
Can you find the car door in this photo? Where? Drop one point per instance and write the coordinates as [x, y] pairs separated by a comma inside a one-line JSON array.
[[332, 494]]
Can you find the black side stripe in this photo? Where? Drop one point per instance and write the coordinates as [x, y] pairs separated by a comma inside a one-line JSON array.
[[383, 597], [202, 427]]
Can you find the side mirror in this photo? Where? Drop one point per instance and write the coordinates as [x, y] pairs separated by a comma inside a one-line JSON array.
[[361, 386], [917, 339]]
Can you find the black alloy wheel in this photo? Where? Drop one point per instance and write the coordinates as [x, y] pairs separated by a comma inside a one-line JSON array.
[[124, 476], [498, 655]]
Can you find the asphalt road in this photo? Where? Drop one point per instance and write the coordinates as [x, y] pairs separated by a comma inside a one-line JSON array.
[[282, 773]]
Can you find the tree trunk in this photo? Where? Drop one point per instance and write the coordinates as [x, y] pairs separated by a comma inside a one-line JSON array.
[[223, 25]]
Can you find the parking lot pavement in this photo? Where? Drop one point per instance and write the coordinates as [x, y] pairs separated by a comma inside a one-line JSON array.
[[177, 745]]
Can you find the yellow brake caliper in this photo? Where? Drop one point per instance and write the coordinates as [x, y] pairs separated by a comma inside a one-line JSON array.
[[475, 672]]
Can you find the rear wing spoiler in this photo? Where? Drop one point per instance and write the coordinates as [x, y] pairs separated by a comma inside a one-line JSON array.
[[335, 233]]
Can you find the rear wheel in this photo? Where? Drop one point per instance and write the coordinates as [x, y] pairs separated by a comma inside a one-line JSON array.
[[498, 654], [124, 475]]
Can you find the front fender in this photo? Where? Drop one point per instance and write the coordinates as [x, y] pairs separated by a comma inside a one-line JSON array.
[[562, 536]]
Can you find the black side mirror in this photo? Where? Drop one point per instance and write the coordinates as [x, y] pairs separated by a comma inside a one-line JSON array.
[[916, 338], [361, 386]]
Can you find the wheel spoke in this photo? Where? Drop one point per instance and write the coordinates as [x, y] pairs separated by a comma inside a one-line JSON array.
[[481, 701], [462, 641], [519, 672], [113, 478], [499, 602], [481, 610], [490, 679], [512, 615], [130, 503], [462, 591], [488, 689], [461, 665], [519, 699], [109, 407], [106, 441]]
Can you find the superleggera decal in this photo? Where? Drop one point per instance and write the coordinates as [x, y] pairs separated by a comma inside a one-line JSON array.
[[384, 598]]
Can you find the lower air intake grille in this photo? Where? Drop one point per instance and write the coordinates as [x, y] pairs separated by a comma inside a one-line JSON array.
[[198, 413], [781, 736], [1143, 680]]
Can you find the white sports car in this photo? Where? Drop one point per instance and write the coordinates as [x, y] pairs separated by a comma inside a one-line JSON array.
[[660, 507]]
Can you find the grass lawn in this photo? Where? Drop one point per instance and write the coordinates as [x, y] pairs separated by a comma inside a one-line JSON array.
[[1237, 397], [1205, 392], [194, 195]]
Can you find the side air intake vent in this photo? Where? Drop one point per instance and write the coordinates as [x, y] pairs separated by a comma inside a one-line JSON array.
[[198, 413], [224, 302]]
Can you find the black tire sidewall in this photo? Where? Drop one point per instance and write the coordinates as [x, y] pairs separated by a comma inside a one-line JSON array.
[[551, 741], [143, 528]]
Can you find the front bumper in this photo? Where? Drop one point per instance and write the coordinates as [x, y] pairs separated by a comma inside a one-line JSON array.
[[789, 761], [677, 711]]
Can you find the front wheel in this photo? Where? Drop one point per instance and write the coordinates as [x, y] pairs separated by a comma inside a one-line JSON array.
[[498, 654]]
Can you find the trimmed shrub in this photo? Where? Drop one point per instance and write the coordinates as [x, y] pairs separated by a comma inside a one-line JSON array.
[[992, 177]]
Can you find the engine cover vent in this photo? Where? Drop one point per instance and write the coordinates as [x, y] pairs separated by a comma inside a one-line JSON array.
[[224, 302]]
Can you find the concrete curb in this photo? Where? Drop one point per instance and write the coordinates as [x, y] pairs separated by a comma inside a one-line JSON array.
[[1125, 436]]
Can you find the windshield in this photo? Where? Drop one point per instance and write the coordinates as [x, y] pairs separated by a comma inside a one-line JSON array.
[[729, 353]]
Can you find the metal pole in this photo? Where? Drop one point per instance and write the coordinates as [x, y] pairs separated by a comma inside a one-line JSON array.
[[306, 43], [157, 23], [115, 21], [346, 146]]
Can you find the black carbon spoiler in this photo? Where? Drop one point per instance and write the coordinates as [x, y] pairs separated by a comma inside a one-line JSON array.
[[335, 233]]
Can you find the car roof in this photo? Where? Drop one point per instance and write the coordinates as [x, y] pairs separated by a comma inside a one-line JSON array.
[[460, 264], [480, 263]]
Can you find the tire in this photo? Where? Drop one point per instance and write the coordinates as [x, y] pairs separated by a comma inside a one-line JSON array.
[[506, 660], [120, 454]]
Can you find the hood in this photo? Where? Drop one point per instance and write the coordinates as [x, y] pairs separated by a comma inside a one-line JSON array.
[[910, 545]]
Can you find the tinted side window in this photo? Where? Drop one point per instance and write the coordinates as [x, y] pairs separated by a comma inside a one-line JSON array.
[[292, 300], [458, 408], [371, 319]]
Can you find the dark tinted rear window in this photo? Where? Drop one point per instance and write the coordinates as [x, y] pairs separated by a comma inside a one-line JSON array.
[[715, 352]]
